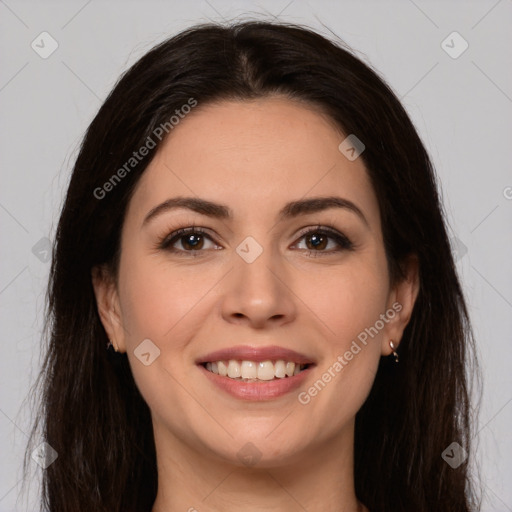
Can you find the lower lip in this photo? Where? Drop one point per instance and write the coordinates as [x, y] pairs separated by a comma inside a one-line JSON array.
[[264, 390]]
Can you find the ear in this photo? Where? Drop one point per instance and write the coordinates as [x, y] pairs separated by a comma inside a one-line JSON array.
[[401, 301], [107, 300]]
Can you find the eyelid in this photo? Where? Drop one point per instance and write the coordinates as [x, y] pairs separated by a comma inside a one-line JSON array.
[[326, 228]]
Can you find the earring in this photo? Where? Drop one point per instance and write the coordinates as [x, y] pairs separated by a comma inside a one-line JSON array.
[[392, 345]]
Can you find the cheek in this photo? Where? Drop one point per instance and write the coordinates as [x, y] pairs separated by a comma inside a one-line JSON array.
[[348, 304], [164, 305], [346, 300], [158, 298], [167, 305]]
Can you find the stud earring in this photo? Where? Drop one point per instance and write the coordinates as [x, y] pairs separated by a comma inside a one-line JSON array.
[[392, 345]]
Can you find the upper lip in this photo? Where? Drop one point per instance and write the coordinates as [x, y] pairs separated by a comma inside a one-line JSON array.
[[256, 354]]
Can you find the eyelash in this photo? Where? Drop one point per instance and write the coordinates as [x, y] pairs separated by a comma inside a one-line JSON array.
[[345, 244]]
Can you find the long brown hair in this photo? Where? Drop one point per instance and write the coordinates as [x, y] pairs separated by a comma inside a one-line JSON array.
[[90, 410]]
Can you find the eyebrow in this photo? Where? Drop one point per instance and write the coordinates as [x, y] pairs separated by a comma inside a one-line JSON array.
[[223, 212]]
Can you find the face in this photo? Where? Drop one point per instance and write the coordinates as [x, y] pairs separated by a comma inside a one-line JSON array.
[[264, 266]]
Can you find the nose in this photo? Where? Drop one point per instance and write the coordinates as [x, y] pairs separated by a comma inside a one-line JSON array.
[[258, 293]]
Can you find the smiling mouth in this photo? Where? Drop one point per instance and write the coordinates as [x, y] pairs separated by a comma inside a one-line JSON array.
[[252, 371]]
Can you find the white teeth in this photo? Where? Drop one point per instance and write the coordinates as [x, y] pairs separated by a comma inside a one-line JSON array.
[[280, 369], [266, 370], [250, 370], [234, 369], [290, 368], [223, 369]]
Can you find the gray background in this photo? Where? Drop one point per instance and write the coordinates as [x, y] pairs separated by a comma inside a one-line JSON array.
[[461, 106]]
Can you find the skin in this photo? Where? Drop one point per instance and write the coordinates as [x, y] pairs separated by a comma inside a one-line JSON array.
[[244, 155]]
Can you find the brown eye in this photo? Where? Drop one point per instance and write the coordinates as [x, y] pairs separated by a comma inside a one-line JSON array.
[[192, 241], [325, 241], [187, 240], [317, 241]]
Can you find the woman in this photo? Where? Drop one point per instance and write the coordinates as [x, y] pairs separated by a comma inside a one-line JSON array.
[[253, 229]]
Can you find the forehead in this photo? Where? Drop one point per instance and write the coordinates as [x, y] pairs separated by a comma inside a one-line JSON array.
[[254, 155]]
